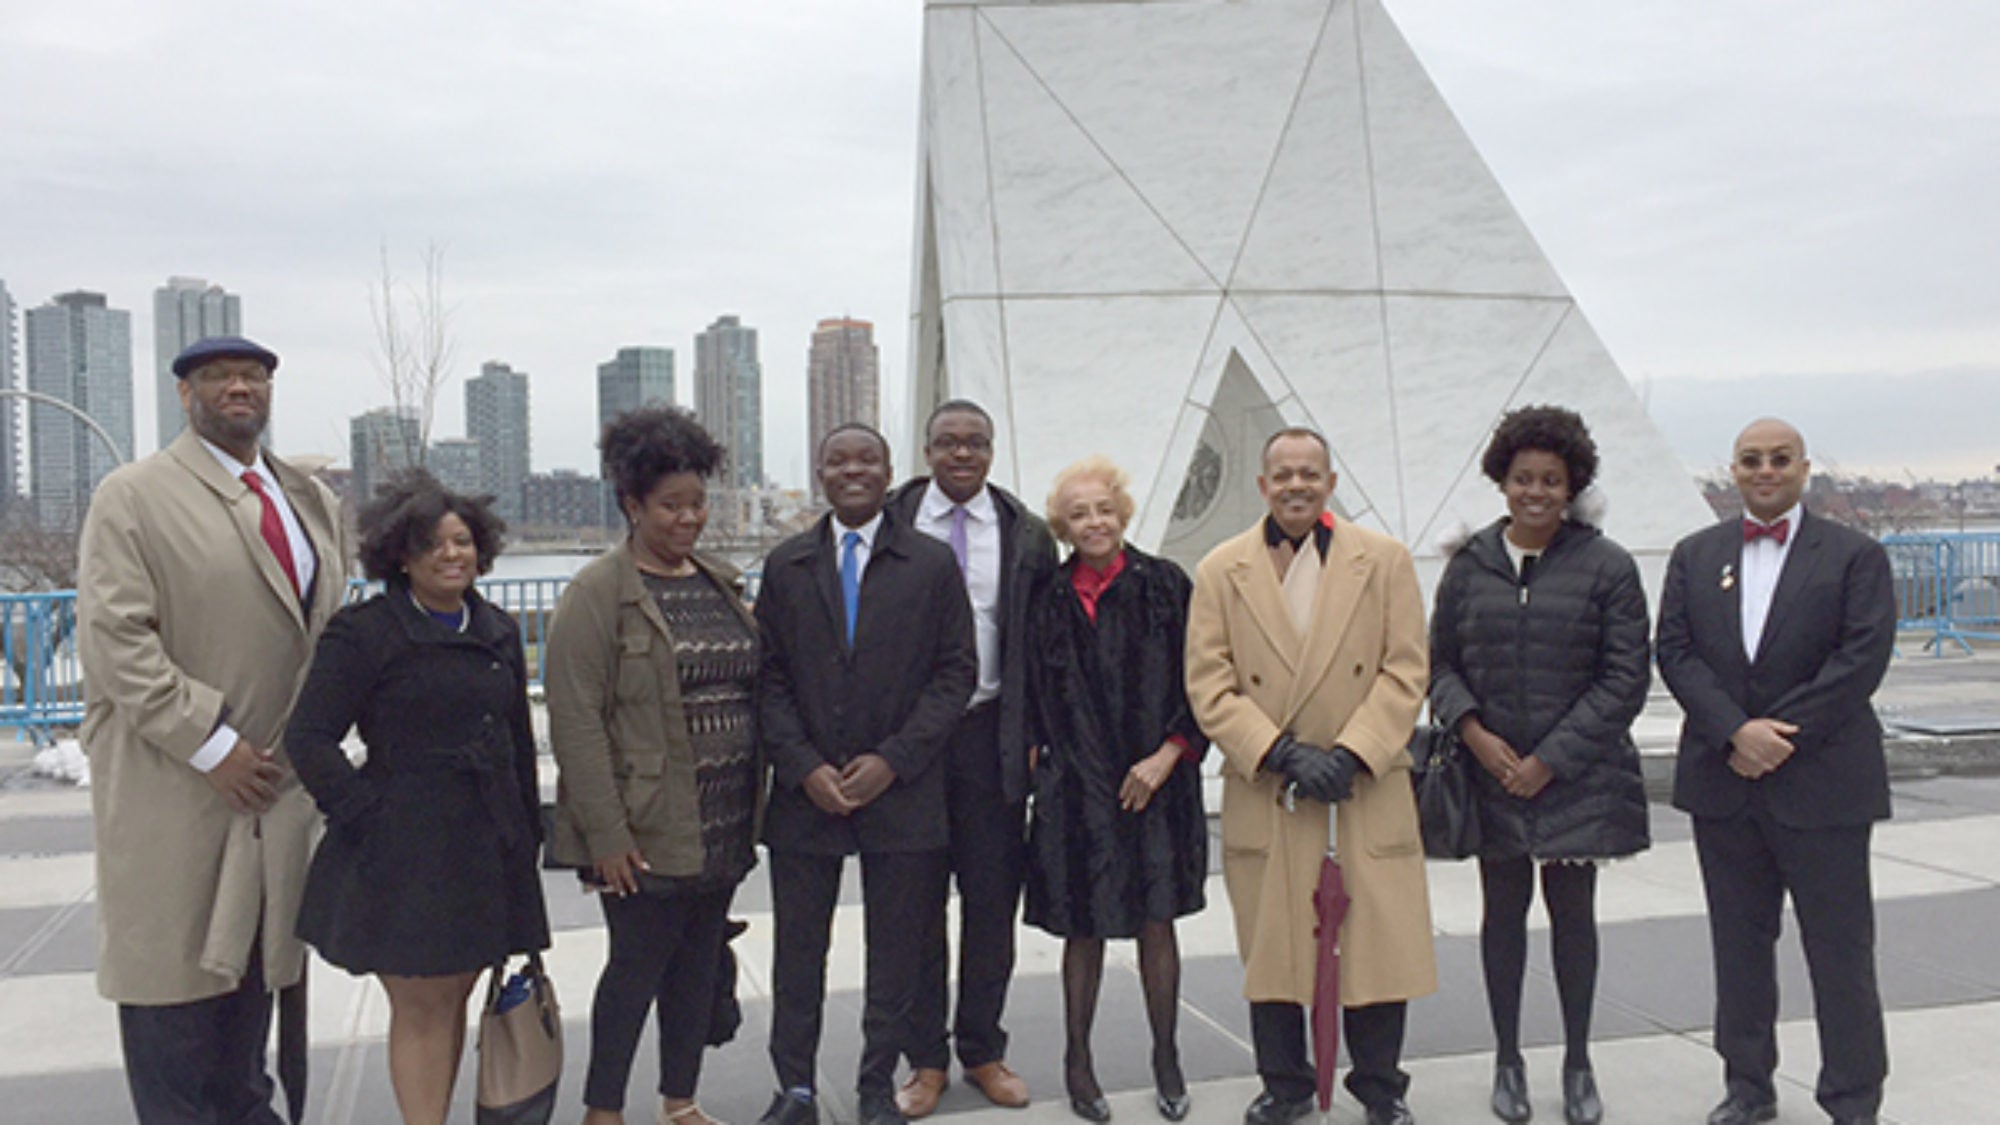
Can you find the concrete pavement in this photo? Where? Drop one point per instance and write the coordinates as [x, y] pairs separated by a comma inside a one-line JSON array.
[[1937, 869]]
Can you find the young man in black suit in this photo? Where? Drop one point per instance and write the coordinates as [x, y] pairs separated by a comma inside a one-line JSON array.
[[868, 661], [1774, 633], [1006, 555]]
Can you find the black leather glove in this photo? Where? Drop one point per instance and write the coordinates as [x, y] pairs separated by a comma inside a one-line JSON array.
[[1320, 774], [1342, 766]]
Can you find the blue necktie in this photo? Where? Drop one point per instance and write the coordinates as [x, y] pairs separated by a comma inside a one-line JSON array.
[[850, 581]]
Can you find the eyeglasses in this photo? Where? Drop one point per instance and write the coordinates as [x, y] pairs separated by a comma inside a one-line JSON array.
[[213, 376], [952, 443], [1753, 460]]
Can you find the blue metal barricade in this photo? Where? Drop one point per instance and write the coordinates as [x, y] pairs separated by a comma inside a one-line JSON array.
[[41, 680], [1947, 585]]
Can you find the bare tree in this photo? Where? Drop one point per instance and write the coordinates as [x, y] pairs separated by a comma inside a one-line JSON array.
[[36, 556], [414, 343]]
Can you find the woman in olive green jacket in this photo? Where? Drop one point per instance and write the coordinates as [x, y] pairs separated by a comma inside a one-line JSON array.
[[650, 668]]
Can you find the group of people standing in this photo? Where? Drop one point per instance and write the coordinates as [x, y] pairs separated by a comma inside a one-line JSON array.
[[923, 683]]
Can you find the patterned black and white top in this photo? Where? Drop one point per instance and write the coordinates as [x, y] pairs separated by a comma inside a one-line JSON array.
[[717, 654]]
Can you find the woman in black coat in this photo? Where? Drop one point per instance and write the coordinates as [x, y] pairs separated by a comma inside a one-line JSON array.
[[1118, 844], [1539, 659], [427, 872]]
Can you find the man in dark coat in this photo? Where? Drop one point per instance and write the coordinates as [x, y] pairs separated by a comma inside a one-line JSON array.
[[1774, 633], [1006, 555], [867, 664]]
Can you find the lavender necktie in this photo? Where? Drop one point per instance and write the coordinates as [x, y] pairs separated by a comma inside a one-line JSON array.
[[959, 546]]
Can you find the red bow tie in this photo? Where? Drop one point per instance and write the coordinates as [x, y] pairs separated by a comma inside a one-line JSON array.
[[1778, 532]]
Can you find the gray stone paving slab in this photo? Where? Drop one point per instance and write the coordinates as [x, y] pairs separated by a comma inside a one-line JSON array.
[[45, 835]]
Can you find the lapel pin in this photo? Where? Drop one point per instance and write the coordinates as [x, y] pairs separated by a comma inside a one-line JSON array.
[[1728, 576]]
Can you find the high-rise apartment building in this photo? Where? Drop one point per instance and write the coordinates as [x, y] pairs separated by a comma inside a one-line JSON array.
[[455, 463], [379, 443], [729, 397], [843, 382], [637, 376], [496, 416], [80, 351], [10, 412], [186, 309]]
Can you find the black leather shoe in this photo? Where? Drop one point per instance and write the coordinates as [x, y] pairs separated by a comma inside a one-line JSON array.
[[1396, 1112], [1581, 1105], [1510, 1093], [787, 1109], [1737, 1110], [880, 1111], [1173, 1107], [1858, 1119], [1269, 1109]]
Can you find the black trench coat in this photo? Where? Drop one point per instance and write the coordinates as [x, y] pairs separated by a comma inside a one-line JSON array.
[[428, 866]]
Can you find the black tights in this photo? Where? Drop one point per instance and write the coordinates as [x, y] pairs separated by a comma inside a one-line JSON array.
[[1159, 977], [1569, 891]]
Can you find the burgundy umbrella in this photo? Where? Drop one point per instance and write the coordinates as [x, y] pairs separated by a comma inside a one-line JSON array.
[[1329, 909]]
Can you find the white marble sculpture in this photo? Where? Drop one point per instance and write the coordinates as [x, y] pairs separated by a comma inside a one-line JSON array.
[[1159, 230]]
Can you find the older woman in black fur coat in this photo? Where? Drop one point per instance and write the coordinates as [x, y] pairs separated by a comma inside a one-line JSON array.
[[427, 872], [1539, 659], [1118, 844]]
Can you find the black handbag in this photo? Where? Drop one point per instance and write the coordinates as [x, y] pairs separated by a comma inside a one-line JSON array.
[[1447, 802]]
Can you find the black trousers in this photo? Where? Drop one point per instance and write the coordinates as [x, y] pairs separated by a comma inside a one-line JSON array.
[[665, 951], [903, 912], [988, 855], [202, 1063], [1373, 1036], [1748, 863]]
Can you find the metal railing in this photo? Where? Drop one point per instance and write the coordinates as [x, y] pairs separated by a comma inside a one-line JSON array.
[[41, 683], [1947, 585]]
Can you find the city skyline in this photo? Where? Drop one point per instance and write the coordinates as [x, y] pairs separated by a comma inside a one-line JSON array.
[[1749, 200]]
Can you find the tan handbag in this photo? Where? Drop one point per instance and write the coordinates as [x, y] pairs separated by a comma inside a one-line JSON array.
[[520, 1047]]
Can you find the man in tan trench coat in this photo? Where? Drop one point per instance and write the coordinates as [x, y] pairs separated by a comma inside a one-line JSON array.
[[1306, 666], [199, 598]]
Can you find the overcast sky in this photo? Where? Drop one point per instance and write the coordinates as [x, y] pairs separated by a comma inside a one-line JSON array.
[[1779, 206]]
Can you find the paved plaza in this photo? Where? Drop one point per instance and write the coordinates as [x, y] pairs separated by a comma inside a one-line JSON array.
[[1937, 871]]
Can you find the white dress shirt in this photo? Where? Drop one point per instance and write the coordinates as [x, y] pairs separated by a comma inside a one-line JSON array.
[[305, 564], [1763, 562], [982, 573], [863, 551]]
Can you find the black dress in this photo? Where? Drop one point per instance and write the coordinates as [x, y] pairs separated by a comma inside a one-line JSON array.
[[1107, 694], [428, 866]]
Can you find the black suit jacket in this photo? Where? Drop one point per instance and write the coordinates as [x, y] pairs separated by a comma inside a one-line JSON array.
[[1825, 647], [898, 692], [1027, 562]]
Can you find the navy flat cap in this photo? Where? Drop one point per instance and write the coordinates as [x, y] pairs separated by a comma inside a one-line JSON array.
[[222, 347]]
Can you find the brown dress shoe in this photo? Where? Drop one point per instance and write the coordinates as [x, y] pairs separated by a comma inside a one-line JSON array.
[[1001, 1086], [921, 1091]]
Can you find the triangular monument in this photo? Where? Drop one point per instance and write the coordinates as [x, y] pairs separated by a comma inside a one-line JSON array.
[[1157, 231]]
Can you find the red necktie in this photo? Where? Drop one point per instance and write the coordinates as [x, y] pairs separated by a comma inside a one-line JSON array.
[[1778, 532], [273, 529]]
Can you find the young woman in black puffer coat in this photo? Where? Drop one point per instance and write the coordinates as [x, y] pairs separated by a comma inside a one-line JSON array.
[[1539, 659]]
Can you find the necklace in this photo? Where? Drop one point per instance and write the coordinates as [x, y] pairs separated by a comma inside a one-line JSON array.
[[443, 616]]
